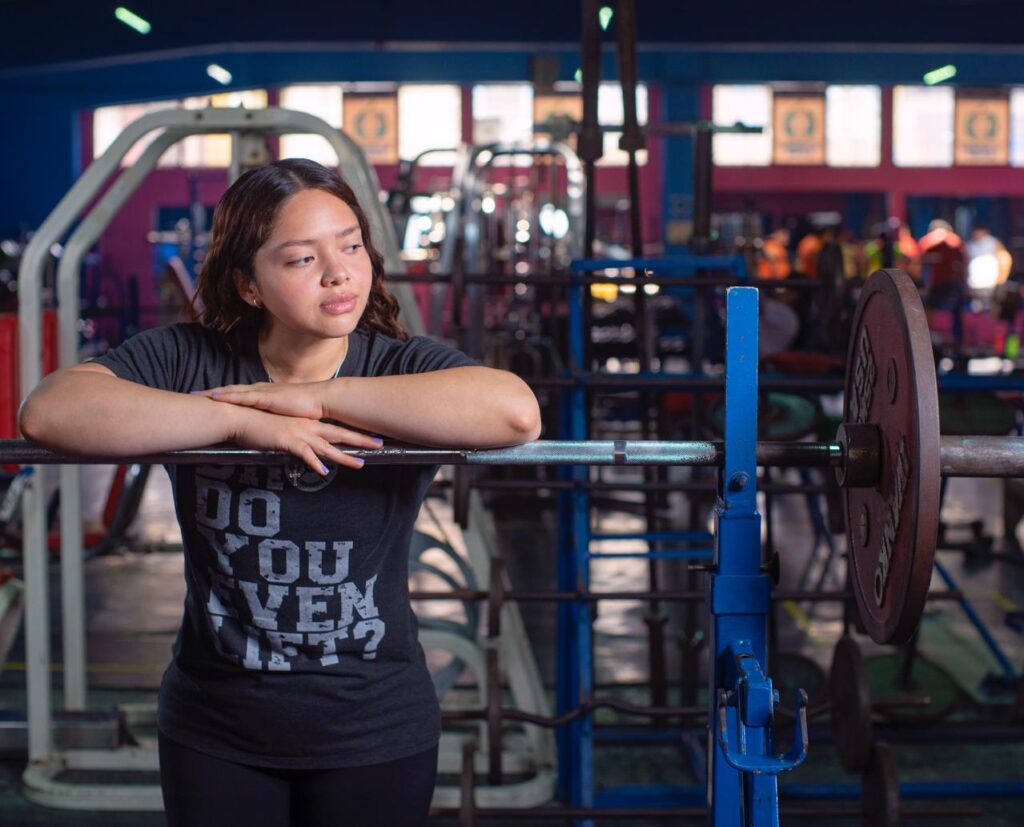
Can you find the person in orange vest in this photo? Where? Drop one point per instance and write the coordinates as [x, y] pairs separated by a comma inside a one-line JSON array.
[[892, 246], [773, 262], [908, 252], [808, 250]]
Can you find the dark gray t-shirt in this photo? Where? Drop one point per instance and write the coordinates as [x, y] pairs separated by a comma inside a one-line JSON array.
[[298, 647]]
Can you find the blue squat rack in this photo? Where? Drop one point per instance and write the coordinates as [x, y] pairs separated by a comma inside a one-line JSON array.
[[742, 766]]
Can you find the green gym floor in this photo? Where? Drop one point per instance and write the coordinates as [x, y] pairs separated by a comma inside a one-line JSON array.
[[134, 603]]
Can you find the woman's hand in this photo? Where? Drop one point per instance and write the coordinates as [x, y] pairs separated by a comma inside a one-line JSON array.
[[308, 439], [299, 399]]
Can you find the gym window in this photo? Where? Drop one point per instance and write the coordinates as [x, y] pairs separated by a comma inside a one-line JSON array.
[[1017, 127], [429, 117], [609, 113], [750, 105], [195, 151], [502, 113], [110, 121], [853, 126], [323, 100], [922, 126], [852, 115]]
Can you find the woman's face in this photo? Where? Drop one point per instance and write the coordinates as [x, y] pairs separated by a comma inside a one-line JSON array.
[[313, 274]]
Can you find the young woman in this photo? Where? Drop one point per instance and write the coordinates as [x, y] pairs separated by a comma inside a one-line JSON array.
[[297, 693]]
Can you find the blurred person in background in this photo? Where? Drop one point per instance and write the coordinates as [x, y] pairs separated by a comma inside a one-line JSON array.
[[773, 262], [988, 262], [892, 245], [943, 266]]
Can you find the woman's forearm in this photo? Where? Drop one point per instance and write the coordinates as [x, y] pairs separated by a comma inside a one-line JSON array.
[[87, 411], [468, 407]]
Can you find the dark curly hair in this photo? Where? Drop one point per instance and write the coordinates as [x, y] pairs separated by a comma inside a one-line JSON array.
[[242, 222]]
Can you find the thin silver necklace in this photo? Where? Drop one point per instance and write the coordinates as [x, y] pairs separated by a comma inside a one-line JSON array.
[[337, 370]]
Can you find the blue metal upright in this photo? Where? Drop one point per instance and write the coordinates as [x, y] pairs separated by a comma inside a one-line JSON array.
[[742, 779], [575, 667]]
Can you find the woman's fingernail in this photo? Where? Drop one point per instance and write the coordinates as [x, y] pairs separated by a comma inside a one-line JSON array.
[[325, 469], [215, 393], [378, 441], [361, 461]]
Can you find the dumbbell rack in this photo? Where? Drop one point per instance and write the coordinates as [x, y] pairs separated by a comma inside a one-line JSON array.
[[574, 633], [741, 785]]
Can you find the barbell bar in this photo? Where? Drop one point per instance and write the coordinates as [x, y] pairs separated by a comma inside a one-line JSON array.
[[889, 456], [960, 456]]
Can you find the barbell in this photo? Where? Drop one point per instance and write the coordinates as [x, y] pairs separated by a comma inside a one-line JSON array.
[[888, 456]]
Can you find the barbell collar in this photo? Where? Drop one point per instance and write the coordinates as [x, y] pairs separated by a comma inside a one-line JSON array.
[[861, 448]]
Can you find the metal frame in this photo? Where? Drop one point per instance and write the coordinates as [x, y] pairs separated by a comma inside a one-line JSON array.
[[471, 190], [575, 632], [176, 125], [575, 658], [741, 783], [741, 778], [465, 188], [484, 156], [12, 607]]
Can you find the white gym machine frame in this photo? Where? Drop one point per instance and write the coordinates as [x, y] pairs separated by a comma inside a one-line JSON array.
[[532, 750]]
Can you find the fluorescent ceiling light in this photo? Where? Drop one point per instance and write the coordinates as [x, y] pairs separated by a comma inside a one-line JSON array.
[[219, 74], [132, 20], [938, 75]]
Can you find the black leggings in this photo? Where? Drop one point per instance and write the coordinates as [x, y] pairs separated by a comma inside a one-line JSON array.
[[203, 791]]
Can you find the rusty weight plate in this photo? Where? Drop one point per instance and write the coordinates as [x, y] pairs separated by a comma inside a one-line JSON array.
[[851, 714], [880, 789], [891, 528]]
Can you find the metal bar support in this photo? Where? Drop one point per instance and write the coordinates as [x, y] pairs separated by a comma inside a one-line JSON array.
[[738, 596], [1005, 455]]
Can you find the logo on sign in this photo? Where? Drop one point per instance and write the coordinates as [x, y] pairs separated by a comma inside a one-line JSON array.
[[379, 128], [982, 130], [991, 128], [803, 118]]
